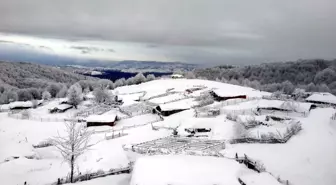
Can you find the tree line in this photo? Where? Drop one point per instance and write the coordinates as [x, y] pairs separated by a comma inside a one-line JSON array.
[[74, 92], [309, 75]]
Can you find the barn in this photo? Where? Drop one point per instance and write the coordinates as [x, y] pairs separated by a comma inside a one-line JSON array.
[[101, 120], [322, 98], [220, 95], [20, 105], [60, 108], [168, 110]]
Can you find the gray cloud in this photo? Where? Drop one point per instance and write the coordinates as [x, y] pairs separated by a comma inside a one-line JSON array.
[[217, 31]]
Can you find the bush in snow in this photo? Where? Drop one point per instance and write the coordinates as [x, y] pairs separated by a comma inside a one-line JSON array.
[[150, 77], [75, 95], [25, 114], [239, 131], [231, 116], [46, 95], [102, 95]]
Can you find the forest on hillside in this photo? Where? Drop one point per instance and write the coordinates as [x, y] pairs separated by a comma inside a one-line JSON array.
[[25, 75], [311, 75]]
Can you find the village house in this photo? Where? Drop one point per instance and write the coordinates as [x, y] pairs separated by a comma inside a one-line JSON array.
[[167, 111], [20, 105], [322, 98], [60, 108], [101, 120], [221, 95]]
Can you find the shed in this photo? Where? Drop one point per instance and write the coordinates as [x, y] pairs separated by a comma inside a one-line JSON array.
[[167, 111], [221, 95], [60, 108], [19, 105], [322, 98], [101, 120]]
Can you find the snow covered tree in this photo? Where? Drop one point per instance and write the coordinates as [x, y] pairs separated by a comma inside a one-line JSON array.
[[120, 82], [35, 93], [24, 95], [190, 75], [327, 76], [323, 88], [332, 87], [75, 95], [287, 87], [105, 84], [46, 95], [53, 89], [8, 96], [102, 95], [311, 87], [150, 77], [130, 81], [62, 93], [139, 78], [73, 144]]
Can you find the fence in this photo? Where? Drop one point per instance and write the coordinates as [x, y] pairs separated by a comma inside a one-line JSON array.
[[270, 138], [34, 118], [99, 109], [94, 175]]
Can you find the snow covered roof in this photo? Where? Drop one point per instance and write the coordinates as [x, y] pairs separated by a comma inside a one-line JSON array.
[[101, 118], [285, 105], [322, 97], [177, 76], [183, 104], [186, 170], [26, 104], [63, 106], [228, 92], [259, 178]]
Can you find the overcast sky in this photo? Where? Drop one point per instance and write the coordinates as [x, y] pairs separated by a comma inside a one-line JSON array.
[[194, 31]]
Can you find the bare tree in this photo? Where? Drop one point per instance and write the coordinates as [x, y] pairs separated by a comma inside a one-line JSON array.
[[73, 144]]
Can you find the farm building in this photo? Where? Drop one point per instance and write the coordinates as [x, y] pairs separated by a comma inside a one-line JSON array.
[[101, 120], [176, 76], [220, 95], [322, 98], [60, 108], [167, 111], [19, 105]]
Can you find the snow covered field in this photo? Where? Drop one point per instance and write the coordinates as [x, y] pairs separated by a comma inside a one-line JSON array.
[[306, 159]]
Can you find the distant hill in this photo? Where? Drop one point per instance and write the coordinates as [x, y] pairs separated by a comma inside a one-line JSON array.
[[25, 75], [150, 66], [312, 75]]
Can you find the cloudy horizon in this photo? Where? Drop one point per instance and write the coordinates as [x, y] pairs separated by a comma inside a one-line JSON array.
[[201, 32]]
